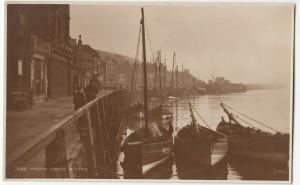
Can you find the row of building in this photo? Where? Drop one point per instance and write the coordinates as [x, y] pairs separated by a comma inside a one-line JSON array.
[[43, 61]]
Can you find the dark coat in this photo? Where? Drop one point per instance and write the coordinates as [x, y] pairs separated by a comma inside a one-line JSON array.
[[90, 92]]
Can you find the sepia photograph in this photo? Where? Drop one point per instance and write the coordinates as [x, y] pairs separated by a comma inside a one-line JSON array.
[[199, 92]]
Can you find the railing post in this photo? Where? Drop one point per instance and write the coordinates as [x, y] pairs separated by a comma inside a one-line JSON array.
[[56, 157], [107, 116], [100, 143], [91, 146]]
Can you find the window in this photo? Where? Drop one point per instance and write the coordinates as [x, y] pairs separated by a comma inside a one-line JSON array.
[[20, 67], [22, 19]]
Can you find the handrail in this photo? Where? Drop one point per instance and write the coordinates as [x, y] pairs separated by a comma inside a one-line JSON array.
[[22, 153]]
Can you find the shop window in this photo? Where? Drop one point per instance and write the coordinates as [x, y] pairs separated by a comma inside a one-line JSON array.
[[20, 67]]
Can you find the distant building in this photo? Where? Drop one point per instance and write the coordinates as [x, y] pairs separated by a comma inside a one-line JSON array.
[[110, 73], [87, 64], [122, 80], [220, 85], [39, 56]]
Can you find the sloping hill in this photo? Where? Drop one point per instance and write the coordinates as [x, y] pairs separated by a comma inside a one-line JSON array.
[[105, 55]]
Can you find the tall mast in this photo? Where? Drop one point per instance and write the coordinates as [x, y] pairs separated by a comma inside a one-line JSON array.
[[159, 71], [173, 72], [165, 75], [182, 77], [176, 75], [145, 73], [155, 73]]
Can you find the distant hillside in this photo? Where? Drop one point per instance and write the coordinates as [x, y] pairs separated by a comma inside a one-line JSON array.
[[105, 55]]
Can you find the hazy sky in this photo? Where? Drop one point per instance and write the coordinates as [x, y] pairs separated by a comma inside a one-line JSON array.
[[244, 43]]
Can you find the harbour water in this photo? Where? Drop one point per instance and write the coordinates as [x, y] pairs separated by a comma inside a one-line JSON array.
[[271, 107]]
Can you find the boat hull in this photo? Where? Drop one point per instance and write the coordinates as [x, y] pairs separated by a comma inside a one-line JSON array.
[[141, 158], [249, 143], [154, 154], [264, 148], [199, 152], [277, 157]]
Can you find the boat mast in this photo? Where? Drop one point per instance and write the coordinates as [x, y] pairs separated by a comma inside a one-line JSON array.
[[182, 77], [230, 115], [145, 73], [173, 72], [176, 75], [159, 71], [165, 74], [155, 73], [194, 121]]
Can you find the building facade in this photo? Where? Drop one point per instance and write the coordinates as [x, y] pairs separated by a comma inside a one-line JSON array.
[[88, 65], [39, 56], [110, 73]]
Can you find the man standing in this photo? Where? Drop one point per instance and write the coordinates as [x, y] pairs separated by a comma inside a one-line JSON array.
[[91, 91], [78, 98]]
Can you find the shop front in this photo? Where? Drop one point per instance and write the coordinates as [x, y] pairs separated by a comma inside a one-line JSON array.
[[39, 70]]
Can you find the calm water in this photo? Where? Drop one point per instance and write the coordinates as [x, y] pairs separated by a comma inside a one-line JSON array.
[[271, 107]]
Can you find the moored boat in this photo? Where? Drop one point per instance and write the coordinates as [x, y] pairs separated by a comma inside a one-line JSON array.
[[199, 145], [143, 153], [151, 145], [251, 142]]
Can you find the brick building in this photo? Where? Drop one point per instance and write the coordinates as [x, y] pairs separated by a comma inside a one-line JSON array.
[[39, 56]]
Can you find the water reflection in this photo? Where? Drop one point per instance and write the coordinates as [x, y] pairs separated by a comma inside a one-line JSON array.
[[255, 102], [163, 171], [191, 171], [249, 169]]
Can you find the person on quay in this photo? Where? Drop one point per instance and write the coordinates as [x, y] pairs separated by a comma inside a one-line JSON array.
[[91, 91], [78, 98]]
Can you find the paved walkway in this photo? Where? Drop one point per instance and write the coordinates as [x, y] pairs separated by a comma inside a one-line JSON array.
[[23, 125]]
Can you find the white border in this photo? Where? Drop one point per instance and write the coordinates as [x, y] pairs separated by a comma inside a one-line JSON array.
[[296, 132]]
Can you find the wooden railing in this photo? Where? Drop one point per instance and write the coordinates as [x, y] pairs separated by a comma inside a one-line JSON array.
[[85, 144]]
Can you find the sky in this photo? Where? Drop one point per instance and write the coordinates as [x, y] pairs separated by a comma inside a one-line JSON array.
[[244, 43]]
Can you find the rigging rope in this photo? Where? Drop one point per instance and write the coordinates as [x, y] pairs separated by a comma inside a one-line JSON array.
[[214, 131], [148, 36], [133, 83], [259, 122], [246, 122], [202, 118]]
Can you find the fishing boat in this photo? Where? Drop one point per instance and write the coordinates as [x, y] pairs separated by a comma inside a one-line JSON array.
[[251, 142], [199, 145], [150, 146]]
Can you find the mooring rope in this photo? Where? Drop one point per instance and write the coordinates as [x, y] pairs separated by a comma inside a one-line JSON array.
[[148, 36], [259, 122]]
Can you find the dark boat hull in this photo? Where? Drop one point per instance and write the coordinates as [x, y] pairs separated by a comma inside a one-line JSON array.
[[260, 149], [193, 171], [154, 154], [141, 158], [260, 146], [200, 152]]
